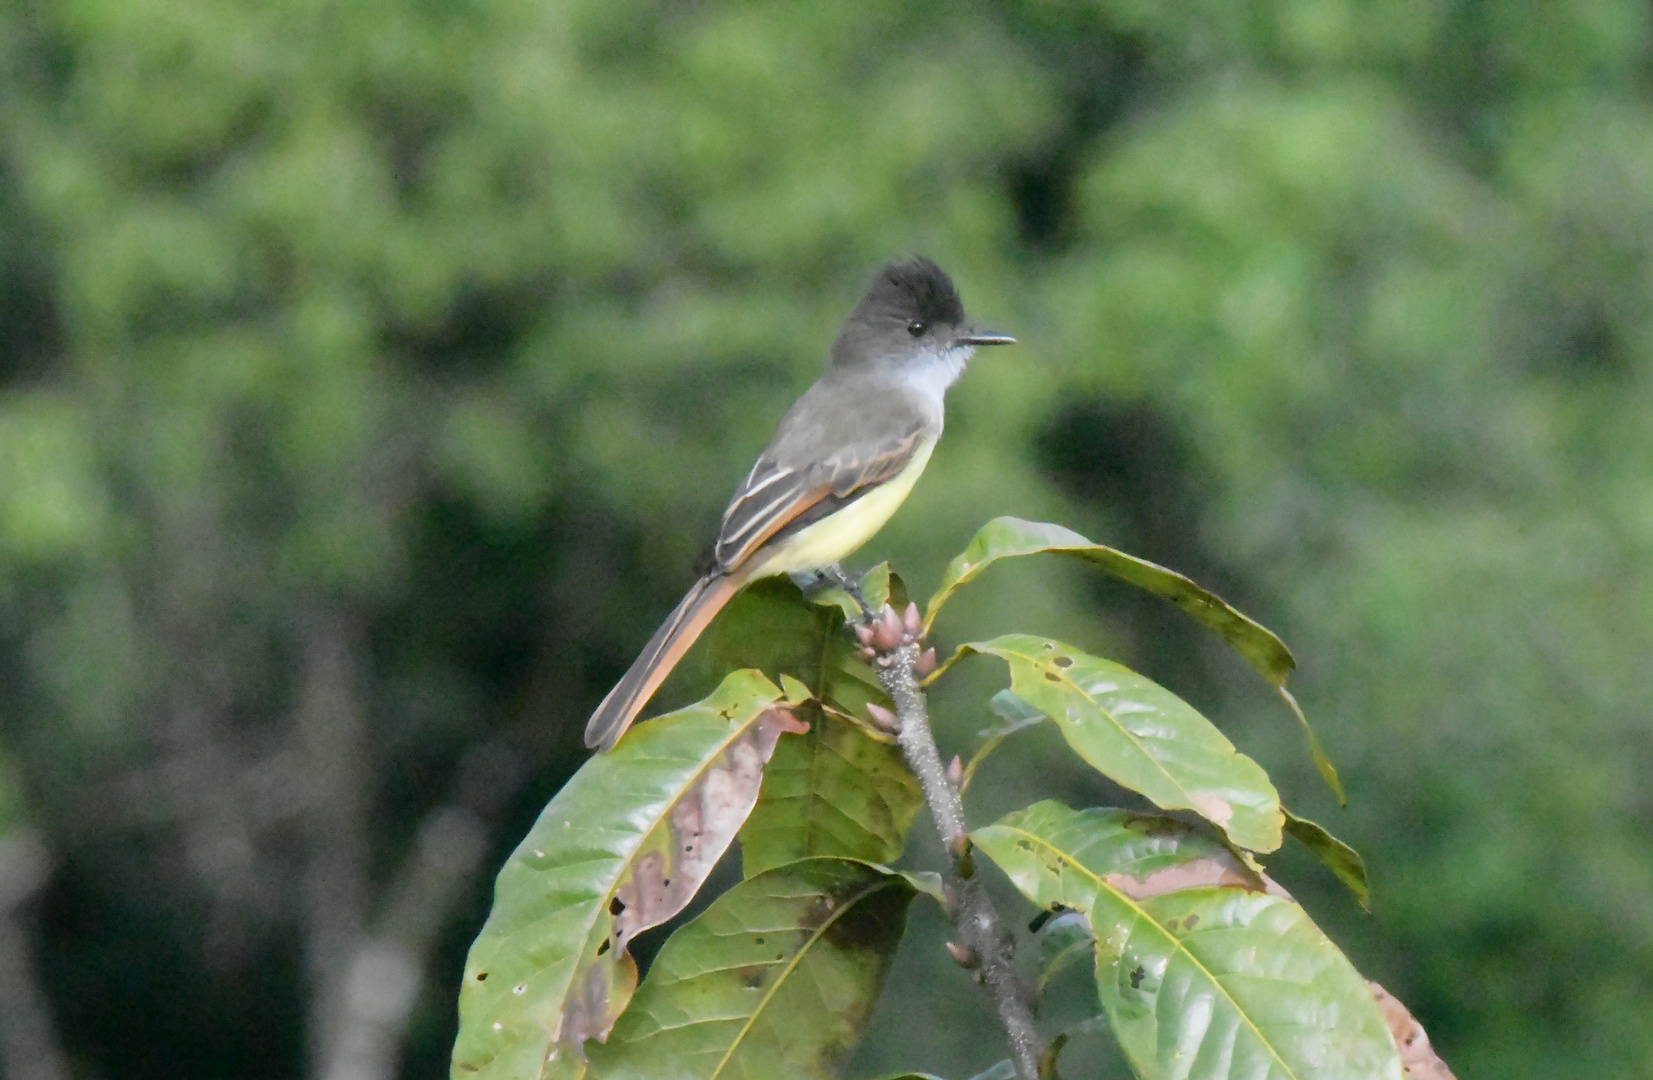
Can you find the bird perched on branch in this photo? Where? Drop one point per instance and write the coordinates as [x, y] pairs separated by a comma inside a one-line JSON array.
[[843, 458]]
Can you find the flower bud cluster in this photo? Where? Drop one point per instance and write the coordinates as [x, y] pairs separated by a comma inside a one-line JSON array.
[[888, 631]]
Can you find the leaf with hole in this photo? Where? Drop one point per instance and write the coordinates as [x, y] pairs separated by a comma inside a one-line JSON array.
[[1142, 736], [1008, 537], [1205, 969], [622, 847], [776, 979]]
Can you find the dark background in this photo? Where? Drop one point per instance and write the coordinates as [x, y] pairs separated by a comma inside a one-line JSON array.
[[371, 374]]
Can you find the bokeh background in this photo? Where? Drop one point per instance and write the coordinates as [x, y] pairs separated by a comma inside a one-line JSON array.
[[371, 374]]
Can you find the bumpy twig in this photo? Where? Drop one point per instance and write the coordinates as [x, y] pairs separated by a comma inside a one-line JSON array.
[[893, 643]]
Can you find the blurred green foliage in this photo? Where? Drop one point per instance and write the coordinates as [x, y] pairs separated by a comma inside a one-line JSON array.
[[431, 338]]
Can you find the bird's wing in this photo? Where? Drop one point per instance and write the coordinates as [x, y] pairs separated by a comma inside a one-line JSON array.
[[777, 494]]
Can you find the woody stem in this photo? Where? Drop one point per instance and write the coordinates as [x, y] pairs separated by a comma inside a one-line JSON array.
[[983, 939]]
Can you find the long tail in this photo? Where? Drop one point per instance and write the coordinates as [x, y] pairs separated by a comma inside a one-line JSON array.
[[658, 657]]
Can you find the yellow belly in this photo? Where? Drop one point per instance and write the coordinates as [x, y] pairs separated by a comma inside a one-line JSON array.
[[834, 537]]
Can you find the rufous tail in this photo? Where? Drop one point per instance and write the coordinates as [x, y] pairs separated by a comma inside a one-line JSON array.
[[657, 659]]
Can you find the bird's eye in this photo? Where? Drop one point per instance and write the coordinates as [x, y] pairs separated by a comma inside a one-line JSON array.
[[916, 328]]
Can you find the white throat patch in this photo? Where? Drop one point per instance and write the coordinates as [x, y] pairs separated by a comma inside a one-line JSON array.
[[935, 372]]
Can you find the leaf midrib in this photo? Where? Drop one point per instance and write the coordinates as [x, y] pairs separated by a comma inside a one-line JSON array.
[[786, 972], [1176, 942], [822, 659]]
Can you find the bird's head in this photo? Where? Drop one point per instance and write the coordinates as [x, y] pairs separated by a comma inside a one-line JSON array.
[[911, 318]]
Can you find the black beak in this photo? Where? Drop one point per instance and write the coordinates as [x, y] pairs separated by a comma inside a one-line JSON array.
[[984, 337]]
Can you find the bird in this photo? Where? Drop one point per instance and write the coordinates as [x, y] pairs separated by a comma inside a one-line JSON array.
[[842, 460]]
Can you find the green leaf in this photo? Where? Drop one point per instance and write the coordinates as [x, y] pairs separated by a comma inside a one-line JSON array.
[[1142, 736], [1017, 715], [1063, 940], [622, 847], [830, 791], [834, 597], [771, 627], [1341, 859], [879, 586], [882, 585], [1060, 858], [1005, 537], [775, 979], [1004, 1070], [1205, 969], [836, 789]]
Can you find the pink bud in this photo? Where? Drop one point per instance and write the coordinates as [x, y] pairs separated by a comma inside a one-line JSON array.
[[863, 633], [883, 717], [955, 771], [888, 631], [925, 663], [913, 623], [963, 955]]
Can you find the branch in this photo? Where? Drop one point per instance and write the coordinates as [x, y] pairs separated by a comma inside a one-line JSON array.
[[28, 1046], [387, 964], [329, 731], [983, 942]]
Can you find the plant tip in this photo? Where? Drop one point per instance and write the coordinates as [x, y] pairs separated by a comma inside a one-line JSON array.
[[883, 717], [913, 623]]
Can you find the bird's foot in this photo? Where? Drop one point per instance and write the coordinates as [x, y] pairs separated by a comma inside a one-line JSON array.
[[832, 577]]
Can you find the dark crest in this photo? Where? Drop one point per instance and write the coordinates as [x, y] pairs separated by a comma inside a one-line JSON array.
[[916, 289]]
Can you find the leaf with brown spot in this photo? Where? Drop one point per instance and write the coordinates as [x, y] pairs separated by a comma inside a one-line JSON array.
[[834, 790], [1008, 537], [1205, 969], [1059, 857], [1142, 736], [1416, 1055], [776, 979], [622, 847]]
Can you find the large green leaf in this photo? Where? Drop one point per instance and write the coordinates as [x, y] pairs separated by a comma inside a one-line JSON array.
[[1006, 537], [775, 979], [836, 789], [1205, 969], [830, 791], [1142, 736], [771, 627], [622, 847]]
